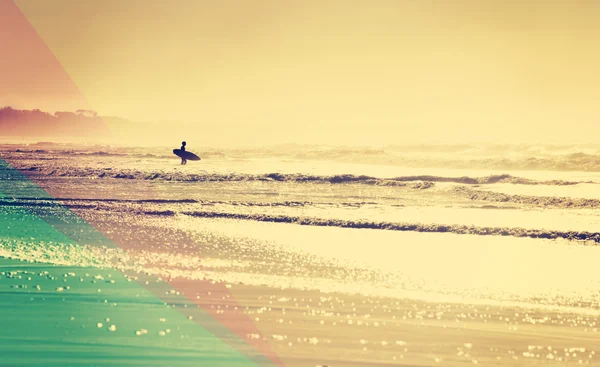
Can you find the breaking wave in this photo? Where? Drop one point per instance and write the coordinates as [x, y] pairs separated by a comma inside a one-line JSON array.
[[75, 202], [486, 180], [417, 182], [108, 205], [535, 201], [233, 177], [391, 226]]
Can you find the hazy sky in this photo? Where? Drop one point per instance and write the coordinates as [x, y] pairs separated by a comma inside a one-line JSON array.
[[353, 71]]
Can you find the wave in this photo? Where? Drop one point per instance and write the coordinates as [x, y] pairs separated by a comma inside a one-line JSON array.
[[536, 201], [42, 154], [464, 156], [109, 200], [497, 157], [417, 182], [95, 202], [101, 204], [391, 226], [79, 153], [355, 224], [216, 177], [487, 180]]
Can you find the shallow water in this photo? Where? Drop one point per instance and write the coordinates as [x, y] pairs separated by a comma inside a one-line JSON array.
[[444, 236]]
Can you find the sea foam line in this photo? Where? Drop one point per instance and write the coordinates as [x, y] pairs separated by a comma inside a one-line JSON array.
[[391, 226], [537, 201]]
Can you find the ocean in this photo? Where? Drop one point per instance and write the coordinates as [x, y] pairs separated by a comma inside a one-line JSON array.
[[303, 255]]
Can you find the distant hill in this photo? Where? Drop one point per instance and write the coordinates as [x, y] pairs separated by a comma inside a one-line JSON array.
[[36, 123], [84, 126]]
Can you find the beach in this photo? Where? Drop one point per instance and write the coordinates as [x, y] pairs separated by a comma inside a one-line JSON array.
[[299, 256]]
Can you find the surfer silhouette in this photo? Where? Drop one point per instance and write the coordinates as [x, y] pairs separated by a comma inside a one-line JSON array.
[[183, 160], [185, 155]]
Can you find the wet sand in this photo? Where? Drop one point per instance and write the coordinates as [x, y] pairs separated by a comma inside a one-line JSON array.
[[89, 316]]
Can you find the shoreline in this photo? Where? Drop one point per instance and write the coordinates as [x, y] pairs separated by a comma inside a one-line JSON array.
[[301, 326]]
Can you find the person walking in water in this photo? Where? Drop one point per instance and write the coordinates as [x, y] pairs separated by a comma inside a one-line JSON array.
[[184, 154], [183, 160]]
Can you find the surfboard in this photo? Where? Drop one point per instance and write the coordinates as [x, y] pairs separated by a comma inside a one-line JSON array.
[[187, 155]]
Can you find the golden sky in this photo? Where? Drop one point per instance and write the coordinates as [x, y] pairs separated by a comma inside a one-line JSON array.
[[366, 71]]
